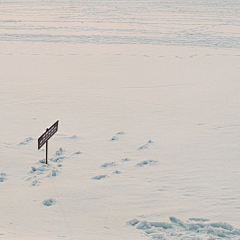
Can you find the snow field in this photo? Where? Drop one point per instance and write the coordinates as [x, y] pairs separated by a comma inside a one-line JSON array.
[[147, 94]]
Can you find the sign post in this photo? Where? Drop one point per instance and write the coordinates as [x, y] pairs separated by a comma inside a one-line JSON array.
[[46, 136]]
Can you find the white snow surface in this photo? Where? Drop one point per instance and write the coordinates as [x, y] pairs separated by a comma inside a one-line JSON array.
[[147, 98]]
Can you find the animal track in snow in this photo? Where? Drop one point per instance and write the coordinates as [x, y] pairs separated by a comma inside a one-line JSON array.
[[145, 146]]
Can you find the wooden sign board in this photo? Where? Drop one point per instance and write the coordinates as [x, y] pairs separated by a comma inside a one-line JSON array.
[[48, 134]]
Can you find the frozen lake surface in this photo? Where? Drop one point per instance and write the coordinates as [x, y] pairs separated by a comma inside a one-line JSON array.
[[147, 98], [180, 23]]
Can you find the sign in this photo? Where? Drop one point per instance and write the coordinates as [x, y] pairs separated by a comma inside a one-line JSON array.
[[47, 135]]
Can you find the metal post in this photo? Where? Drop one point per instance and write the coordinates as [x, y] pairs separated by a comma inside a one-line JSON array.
[[47, 150]]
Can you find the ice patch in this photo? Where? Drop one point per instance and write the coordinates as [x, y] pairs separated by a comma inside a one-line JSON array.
[[49, 202], [145, 146], [146, 162], [194, 228], [99, 177]]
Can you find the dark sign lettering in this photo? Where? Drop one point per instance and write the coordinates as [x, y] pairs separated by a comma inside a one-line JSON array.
[[47, 135]]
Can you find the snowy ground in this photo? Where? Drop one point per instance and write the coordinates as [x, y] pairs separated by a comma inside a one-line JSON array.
[[147, 98]]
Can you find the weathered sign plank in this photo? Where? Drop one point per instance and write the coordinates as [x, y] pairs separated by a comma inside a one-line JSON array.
[[48, 134]]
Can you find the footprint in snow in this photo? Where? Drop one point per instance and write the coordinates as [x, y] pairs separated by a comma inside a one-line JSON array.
[[39, 170], [146, 162], [110, 164], [49, 202], [99, 177], [42, 160], [125, 160], [77, 153], [54, 173], [52, 169], [57, 159], [35, 183], [60, 152], [26, 141], [3, 177], [74, 137], [145, 146], [115, 137]]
